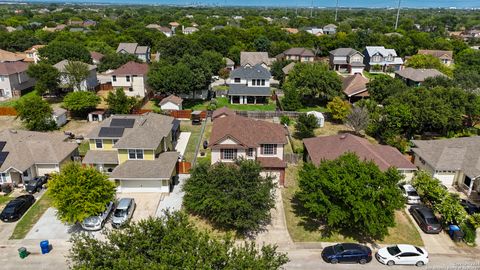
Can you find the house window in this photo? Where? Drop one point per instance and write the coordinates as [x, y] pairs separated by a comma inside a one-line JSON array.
[[376, 58], [130, 89], [263, 82], [135, 153], [254, 82], [25, 173], [269, 149], [228, 154], [3, 178], [468, 181], [114, 141], [2, 78], [250, 152], [236, 80], [114, 78], [128, 78], [98, 144]]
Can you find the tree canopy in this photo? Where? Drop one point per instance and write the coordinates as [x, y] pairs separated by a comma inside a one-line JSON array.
[[350, 196], [170, 242], [76, 72], [231, 196], [47, 77], [81, 103], [57, 51], [35, 113], [119, 103], [79, 192]]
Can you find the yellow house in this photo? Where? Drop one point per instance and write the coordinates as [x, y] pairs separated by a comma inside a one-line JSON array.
[[136, 151]]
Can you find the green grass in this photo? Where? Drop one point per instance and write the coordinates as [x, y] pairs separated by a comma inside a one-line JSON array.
[[83, 148], [31, 217], [373, 75], [220, 88], [186, 126], [403, 232], [4, 200], [13, 102], [223, 102]]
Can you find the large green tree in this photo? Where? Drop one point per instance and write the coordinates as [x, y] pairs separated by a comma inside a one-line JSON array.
[[231, 196], [428, 61], [383, 87], [170, 242], [79, 192], [81, 103], [348, 195], [115, 60], [47, 77], [35, 113], [305, 126], [57, 51], [76, 72], [119, 103]]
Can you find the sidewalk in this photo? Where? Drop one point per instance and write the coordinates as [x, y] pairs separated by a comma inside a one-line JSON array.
[[182, 142]]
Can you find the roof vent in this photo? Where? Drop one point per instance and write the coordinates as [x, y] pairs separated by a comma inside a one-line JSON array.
[[343, 136]]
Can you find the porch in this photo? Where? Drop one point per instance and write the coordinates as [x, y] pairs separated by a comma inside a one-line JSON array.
[[248, 99]]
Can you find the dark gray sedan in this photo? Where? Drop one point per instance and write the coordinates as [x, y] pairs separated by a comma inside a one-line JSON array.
[[426, 219]]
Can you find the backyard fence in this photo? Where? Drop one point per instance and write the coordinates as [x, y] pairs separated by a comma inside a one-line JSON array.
[[268, 114], [8, 111], [186, 114], [104, 87], [292, 158], [184, 167]]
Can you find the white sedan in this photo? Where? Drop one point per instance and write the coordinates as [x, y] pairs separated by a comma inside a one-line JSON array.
[[402, 254]]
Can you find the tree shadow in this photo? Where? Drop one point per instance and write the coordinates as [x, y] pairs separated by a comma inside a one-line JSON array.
[[190, 103]]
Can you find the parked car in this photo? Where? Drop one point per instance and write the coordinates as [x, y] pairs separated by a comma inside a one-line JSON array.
[[425, 219], [410, 194], [470, 207], [402, 254], [347, 253], [95, 223], [16, 208], [123, 213], [36, 184]]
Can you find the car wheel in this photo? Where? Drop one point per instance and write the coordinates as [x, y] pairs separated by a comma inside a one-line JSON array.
[[334, 261], [420, 263], [362, 261], [390, 263]]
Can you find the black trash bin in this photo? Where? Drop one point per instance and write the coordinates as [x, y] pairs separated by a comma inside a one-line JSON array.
[[458, 236]]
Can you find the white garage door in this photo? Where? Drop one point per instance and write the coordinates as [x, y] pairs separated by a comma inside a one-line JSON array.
[[43, 169], [142, 186], [446, 179]]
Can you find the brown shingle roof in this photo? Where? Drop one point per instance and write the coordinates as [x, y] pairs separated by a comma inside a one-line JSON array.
[[418, 75], [222, 111], [172, 98], [96, 56], [437, 53], [6, 56], [132, 68], [9, 68], [247, 131], [354, 85], [271, 162], [304, 52], [331, 147]]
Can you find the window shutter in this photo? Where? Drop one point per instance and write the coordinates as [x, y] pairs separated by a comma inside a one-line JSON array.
[[221, 154]]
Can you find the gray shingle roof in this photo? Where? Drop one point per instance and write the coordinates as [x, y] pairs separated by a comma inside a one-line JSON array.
[[60, 66], [304, 52], [451, 154], [251, 72], [344, 52], [243, 90], [27, 148], [418, 75], [161, 168], [127, 47], [101, 157], [254, 58]]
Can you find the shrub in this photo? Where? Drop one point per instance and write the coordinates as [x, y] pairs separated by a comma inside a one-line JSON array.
[[285, 120], [469, 231], [305, 126], [339, 108]]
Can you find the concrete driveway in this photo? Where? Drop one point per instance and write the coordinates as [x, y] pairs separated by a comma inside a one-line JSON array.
[[174, 200], [50, 227], [147, 203]]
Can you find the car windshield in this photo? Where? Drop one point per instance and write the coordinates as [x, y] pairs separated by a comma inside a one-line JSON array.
[[9, 210], [33, 181], [338, 248], [419, 250], [412, 193], [431, 220], [393, 250], [92, 220], [120, 212]]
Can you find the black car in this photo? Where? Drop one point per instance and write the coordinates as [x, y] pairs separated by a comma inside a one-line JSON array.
[[36, 184], [347, 253], [16, 208], [425, 219], [470, 207]]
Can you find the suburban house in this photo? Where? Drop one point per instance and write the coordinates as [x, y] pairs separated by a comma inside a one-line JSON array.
[[330, 29], [415, 77], [255, 58], [14, 79], [132, 77], [96, 57], [137, 151], [286, 69], [88, 84], [455, 162], [229, 64], [379, 59], [249, 85], [32, 54], [314, 30], [88, 23], [298, 55], [142, 52], [27, 154], [446, 57], [290, 30], [171, 103], [346, 60], [331, 147], [189, 30], [234, 137], [165, 30], [174, 26], [6, 56], [355, 87], [222, 112]]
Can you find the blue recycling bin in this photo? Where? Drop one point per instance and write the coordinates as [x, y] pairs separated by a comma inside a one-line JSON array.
[[452, 229], [45, 246]]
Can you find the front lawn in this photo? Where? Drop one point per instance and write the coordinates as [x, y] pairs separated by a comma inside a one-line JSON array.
[[31, 217], [186, 126], [223, 102], [403, 232]]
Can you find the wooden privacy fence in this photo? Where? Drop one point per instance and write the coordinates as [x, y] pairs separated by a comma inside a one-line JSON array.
[[184, 167], [268, 114], [104, 86], [186, 114], [8, 111]]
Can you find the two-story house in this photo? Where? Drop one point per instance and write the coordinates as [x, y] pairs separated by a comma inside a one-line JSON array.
[[234, 137], [330, 29], [132, 77], [88, 84], [249, 85], [255, 58], [32, 54], [142, 52], [297, 55], [379, 59], [189, 30], [347, 60], [6, 56], [14, 79], [445, 57], [27, 154], [137, 151]]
